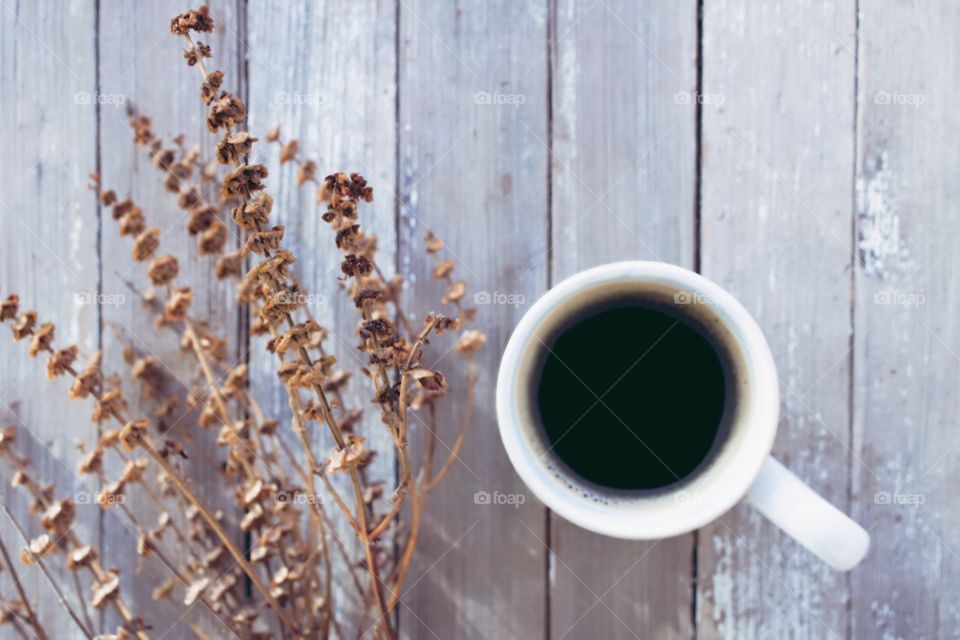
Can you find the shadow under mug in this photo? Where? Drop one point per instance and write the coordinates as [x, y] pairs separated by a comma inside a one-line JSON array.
[[741, 467]]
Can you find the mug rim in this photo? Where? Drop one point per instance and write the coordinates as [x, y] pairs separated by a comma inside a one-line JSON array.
[[674, 511]]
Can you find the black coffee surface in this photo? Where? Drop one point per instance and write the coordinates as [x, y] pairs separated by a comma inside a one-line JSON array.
[[660, 385]]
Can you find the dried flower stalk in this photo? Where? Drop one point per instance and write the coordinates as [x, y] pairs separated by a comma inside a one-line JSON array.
[[288, 567]]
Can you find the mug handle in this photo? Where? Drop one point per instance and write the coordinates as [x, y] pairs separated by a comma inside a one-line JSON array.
[[803, 514]]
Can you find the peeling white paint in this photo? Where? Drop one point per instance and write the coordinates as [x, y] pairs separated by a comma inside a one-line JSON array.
[[883, 249]]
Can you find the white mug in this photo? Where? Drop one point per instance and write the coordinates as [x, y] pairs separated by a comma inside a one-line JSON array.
[[741, 467]]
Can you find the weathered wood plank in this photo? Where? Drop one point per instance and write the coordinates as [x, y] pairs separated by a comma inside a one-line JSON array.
[[473, 168], [47, 75], [326, 72], [141, 65], [624, 171], [906, 373], [777, 146], [624, 162]]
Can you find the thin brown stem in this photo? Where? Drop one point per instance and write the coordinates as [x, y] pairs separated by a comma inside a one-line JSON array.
[[32, 617], [464, 425]]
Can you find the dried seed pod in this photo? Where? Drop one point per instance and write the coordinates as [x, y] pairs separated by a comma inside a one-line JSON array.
[[213, 239], [164, 159], [179, 304], [196, 591], [92, 462], [146, 244], [81, 557], [268, 427], [42, 339], [289, 151], [24, 325], [106, 591], [85, 383], [260, 554], [7, 438], [243, 180], [109, 438], [263, 242], [433, 244], [149, 371], [211, 86], [195, 54], [60, 361], [122, 208], [109, 404], [130, 437], [208, 417], [307, 172], [471, 342], [253, 213], [227, 111], [59, 516], [200, 219], [253, 518], [39, 547], [133, 223], [429, 380], [144, 545], [163, 270], [366, 297], [455, 293], [354, 265], [142, 133], [298, 336], [446, 324], [111, 494], [234, 146], [222, 586], [443, 269], [352, 455], [237, 382], [253, 493], [164, 590], [229, 265], [9, 307], [193, 20]]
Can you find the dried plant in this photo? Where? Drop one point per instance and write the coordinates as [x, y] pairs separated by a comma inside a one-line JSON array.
[[291, 501]]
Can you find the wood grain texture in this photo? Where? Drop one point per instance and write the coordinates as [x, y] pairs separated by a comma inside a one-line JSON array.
[[906, 373], [141, 66], [623, 176], [778, 149], [538, 139], [326, 72], [473, 168], [48, 126]]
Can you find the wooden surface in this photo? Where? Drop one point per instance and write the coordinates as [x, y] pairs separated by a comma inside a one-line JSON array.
[[801, 154]]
